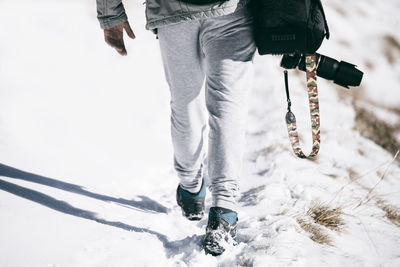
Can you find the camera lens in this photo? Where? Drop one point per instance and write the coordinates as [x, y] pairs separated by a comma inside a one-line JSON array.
[[348, 75], [327, 67], [342, 73]]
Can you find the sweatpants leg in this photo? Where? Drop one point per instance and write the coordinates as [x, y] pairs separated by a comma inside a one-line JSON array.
[[220, 49], [229, 48], [183, 66]]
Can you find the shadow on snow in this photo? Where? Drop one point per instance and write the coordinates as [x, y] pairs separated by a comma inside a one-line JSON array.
[[172, 247], [146, 204]]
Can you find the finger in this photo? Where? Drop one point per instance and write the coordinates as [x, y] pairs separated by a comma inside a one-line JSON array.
[[121, 48], [122, 51], [113, 42], [117, 45], [129, 31]]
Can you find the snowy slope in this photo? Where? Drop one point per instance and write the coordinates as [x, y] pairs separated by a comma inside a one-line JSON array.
[[86, 175]]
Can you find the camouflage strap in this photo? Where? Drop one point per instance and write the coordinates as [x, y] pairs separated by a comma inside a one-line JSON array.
[[311, 72]]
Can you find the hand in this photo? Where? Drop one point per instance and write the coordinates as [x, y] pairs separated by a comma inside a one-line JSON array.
[[115, 37]]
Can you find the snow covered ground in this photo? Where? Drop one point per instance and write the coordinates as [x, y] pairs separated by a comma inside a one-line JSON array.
[[86, 174]]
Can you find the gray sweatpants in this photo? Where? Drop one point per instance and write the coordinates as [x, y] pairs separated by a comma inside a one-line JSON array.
[[217, 52]]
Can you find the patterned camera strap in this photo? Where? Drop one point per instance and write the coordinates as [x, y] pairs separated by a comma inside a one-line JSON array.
[[311, 73]]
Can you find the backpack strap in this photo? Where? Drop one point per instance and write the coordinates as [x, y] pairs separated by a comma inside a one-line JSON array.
[[311, 73], [327, 33]]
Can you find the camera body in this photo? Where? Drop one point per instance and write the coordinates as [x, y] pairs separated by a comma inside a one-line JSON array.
[[342, 73]]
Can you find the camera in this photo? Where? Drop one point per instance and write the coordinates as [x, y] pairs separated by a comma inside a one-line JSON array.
[[342, 73]]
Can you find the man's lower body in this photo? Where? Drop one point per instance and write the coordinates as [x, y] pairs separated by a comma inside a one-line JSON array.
[[218, 53]]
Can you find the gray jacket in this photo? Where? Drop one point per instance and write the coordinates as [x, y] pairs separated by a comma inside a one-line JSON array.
[[163, 12]]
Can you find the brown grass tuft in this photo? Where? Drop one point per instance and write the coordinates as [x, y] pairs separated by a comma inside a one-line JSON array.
[[391, 46], [317, 233], [369, 65], [326, 216], [321, 217], [391, 212], [353, 175], [377, 130]]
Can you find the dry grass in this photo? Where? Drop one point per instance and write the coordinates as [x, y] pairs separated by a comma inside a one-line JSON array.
[[353, 175], [391, 212], [326, 216], [377, 130], [322, 217], [317, 233], [369, 65], [369, 125], [391, 47]]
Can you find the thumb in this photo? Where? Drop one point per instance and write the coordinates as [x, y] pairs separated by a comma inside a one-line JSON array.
[[128, 30]]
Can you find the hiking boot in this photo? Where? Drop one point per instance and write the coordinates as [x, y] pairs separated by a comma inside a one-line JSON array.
[[192, 204], [220, 231]]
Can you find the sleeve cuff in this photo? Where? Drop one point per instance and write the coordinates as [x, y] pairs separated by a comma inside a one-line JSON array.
[[111, 22]]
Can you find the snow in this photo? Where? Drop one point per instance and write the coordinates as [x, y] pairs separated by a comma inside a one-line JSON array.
[[86, 172]]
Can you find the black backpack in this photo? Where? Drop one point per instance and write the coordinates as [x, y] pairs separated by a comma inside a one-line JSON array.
[[293, 27], [289, 26]]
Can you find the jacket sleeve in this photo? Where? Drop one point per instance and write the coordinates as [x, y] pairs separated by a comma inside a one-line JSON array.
[[110, 13]]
